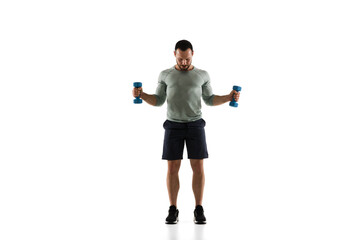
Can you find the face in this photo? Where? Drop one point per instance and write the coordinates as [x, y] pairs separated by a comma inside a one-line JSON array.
[[183, 58]]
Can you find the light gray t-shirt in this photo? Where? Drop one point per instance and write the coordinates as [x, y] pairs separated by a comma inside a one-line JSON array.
[[183, 91]]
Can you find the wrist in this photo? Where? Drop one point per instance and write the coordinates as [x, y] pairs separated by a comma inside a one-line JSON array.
[[229, 97], [143, 96]]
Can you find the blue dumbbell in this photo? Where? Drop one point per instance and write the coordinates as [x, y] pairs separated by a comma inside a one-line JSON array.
[[233, 103], [137, 100]]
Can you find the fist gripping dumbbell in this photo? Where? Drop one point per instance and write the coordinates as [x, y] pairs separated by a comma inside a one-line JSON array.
[[233, 103], [137, 100]]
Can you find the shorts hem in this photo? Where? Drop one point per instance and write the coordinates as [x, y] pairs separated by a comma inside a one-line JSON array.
[[198, 157], [172, 159]]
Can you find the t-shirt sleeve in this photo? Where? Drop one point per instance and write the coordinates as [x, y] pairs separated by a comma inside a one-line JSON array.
[[160, 93], [207, 93]]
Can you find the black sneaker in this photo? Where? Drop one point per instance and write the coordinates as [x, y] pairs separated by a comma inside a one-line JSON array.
[[173, 216], [199, 217]]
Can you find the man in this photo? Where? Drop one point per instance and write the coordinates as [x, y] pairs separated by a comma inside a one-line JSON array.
[[184, 85]]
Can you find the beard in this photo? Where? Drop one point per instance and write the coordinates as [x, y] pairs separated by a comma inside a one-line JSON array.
[[183, 67]]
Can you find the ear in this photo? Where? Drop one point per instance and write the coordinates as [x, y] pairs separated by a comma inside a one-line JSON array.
[[175, 53]]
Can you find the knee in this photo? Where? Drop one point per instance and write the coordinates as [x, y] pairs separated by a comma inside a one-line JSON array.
[[173, 167], [198, 170], [197, 167]]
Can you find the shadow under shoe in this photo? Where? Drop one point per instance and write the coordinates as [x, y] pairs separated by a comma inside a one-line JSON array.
[[199, 217], [173, 216]]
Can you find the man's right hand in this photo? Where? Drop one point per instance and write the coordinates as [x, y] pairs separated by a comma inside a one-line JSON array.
[[137, 92], [150, 99]]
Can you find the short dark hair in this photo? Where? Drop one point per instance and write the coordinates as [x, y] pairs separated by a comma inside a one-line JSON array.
[[183, 45]]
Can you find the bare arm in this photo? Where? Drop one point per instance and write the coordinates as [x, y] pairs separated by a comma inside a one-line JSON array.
[[218, 100], [150, 99]]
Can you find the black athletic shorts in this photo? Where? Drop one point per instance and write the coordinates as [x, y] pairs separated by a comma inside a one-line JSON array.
[[192, 133]]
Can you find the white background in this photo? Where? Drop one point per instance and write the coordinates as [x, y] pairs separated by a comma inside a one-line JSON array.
[[80, 161]]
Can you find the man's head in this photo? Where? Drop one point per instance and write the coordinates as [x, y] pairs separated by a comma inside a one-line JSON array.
[[183, 54]]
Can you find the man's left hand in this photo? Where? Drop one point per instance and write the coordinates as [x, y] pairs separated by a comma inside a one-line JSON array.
[[234, 94]]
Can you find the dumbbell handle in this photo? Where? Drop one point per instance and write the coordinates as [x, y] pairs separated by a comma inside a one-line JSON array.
[[233, 103], [237, 89], [137, 99]]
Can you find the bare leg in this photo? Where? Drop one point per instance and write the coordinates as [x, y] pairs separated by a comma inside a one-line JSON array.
[[198, 179], [172, 180]]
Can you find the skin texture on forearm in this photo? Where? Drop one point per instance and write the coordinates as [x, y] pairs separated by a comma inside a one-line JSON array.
[[218, 100], [150, 99]]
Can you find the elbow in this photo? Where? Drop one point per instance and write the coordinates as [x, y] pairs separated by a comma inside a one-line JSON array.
[[209, 101], [158, 101]]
